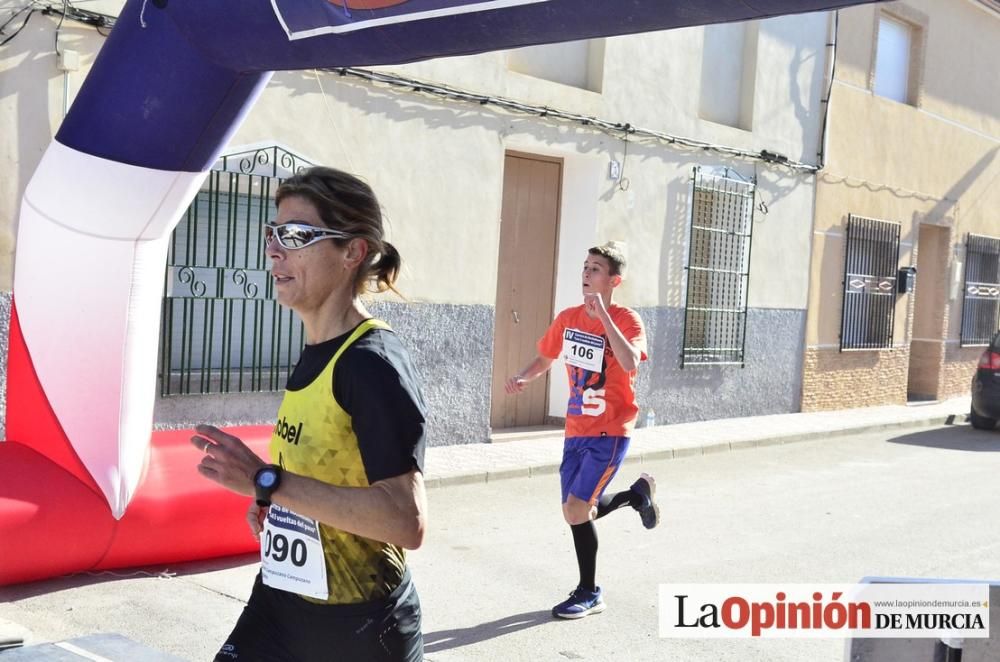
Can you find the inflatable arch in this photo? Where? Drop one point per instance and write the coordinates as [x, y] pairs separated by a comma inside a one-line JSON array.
[[168, 89]]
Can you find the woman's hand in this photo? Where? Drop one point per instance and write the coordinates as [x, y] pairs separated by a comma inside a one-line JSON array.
[[226, 459], [255, 518]]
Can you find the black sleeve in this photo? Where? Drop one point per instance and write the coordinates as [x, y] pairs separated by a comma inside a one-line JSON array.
[[374, 381]]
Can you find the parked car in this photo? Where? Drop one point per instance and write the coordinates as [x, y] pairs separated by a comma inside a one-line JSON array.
[[986, 388]]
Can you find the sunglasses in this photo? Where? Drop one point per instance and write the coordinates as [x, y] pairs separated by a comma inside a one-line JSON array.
[[295, 235]]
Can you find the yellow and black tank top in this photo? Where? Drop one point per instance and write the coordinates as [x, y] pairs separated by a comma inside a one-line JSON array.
[[352, 415]]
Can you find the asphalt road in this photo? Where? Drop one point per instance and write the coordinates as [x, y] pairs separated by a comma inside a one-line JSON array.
[[903, 503]]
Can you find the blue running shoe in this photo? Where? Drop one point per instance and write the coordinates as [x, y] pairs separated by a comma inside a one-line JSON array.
[[649, 512], [580, 603]]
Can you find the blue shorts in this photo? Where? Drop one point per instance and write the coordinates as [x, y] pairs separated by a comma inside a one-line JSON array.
[[589, 464]]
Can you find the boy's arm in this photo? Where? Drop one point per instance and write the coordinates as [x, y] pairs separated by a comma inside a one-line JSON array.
[[538, 367], [628, 355]]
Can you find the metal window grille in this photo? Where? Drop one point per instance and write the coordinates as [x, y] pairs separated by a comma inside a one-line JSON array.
[[221, 329], [870, 266], [718, 269], [981, 299]]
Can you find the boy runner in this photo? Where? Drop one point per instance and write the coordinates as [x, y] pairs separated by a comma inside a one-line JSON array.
[[602, 345]]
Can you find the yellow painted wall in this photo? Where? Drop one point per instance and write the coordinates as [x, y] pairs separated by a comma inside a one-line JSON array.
[[936, 162]]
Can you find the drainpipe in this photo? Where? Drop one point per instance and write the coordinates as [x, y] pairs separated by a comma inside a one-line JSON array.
[[833, 26], [69, 60]]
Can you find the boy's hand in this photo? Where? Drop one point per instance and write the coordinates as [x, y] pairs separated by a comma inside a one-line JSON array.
[[515, 385], [594, 304]]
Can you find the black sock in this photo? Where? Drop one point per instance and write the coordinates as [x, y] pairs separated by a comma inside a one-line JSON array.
[[585, 541], [610, 502]]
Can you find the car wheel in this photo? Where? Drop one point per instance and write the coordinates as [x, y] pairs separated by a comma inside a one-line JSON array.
[[981, 422]]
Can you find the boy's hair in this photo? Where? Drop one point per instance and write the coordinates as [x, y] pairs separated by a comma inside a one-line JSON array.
[[614, 253]]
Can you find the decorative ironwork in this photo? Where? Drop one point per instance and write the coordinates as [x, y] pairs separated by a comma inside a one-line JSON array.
[[871, 259], [222, 331], [249, 288], [718, 269], [981, 299], [197, 287], [270, 161]]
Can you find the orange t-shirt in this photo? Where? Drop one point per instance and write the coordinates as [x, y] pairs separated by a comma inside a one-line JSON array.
[[600, 402]]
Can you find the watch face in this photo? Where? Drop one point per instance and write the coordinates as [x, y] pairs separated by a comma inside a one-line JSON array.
[[267, 478]]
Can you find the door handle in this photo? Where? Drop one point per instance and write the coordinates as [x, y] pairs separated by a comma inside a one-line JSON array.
[[517, 320]]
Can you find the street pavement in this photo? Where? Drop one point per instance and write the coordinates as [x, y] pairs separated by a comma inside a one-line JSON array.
[[887, 491]]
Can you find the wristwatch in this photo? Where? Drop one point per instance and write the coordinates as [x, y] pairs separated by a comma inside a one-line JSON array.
[[265, 482]]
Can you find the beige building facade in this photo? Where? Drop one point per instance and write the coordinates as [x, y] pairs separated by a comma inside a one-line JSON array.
[[912, 179]]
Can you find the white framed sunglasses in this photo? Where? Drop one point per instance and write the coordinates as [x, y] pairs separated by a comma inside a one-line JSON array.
[[295, 235]]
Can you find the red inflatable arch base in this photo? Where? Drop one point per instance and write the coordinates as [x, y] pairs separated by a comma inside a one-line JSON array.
[[52, 523]]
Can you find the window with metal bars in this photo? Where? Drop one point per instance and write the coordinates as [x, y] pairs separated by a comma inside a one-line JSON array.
[[718, 269], [981, 299], [871, 260], [221, 329]]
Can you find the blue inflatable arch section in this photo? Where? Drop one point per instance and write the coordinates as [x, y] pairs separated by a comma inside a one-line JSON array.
[[168, 89]]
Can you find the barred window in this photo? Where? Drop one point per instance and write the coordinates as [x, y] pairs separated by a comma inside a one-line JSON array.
[[981, 299], [718, 269], [870, 265], [221, 329]]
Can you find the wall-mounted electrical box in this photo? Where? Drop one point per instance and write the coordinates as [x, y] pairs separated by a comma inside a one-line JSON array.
[[614, 170], [906, 280]]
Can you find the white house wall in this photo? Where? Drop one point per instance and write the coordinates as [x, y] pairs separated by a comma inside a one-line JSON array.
[[437, 166]]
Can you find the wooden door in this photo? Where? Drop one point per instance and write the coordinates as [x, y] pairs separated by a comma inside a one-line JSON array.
[[525, 281]]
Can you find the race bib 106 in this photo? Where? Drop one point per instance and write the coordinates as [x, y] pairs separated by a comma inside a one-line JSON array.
[[583, 350], [291, 554]]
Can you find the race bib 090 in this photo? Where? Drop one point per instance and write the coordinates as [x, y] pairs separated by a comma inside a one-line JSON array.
[[291, 554]]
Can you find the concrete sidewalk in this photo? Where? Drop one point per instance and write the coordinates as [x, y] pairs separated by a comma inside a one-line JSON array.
[[537, 453]]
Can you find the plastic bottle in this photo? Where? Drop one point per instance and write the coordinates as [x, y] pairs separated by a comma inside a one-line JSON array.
[[650, 418]]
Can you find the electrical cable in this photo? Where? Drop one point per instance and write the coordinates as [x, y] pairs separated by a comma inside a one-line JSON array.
[[623, 181], [65, 9], [821, 156], [13, 15], [27, 18], [62, 18], [606, 126], [98, 20]]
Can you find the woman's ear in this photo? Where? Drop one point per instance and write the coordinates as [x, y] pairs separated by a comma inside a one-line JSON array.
[[357, 251]]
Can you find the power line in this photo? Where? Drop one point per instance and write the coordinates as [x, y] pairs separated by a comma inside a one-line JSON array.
[[606, 126]]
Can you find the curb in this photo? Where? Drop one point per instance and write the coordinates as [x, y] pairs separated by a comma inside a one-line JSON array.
[[707, 448]]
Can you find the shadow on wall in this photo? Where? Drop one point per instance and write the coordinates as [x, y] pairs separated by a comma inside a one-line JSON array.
[[948, 202], [400, 105], [829, 302], [35, 73]]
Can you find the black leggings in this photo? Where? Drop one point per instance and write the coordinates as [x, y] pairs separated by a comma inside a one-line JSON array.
[[277, 626]]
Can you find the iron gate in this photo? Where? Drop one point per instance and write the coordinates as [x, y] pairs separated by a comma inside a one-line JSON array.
[[870, 265], [718, 269], [221, 329]]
